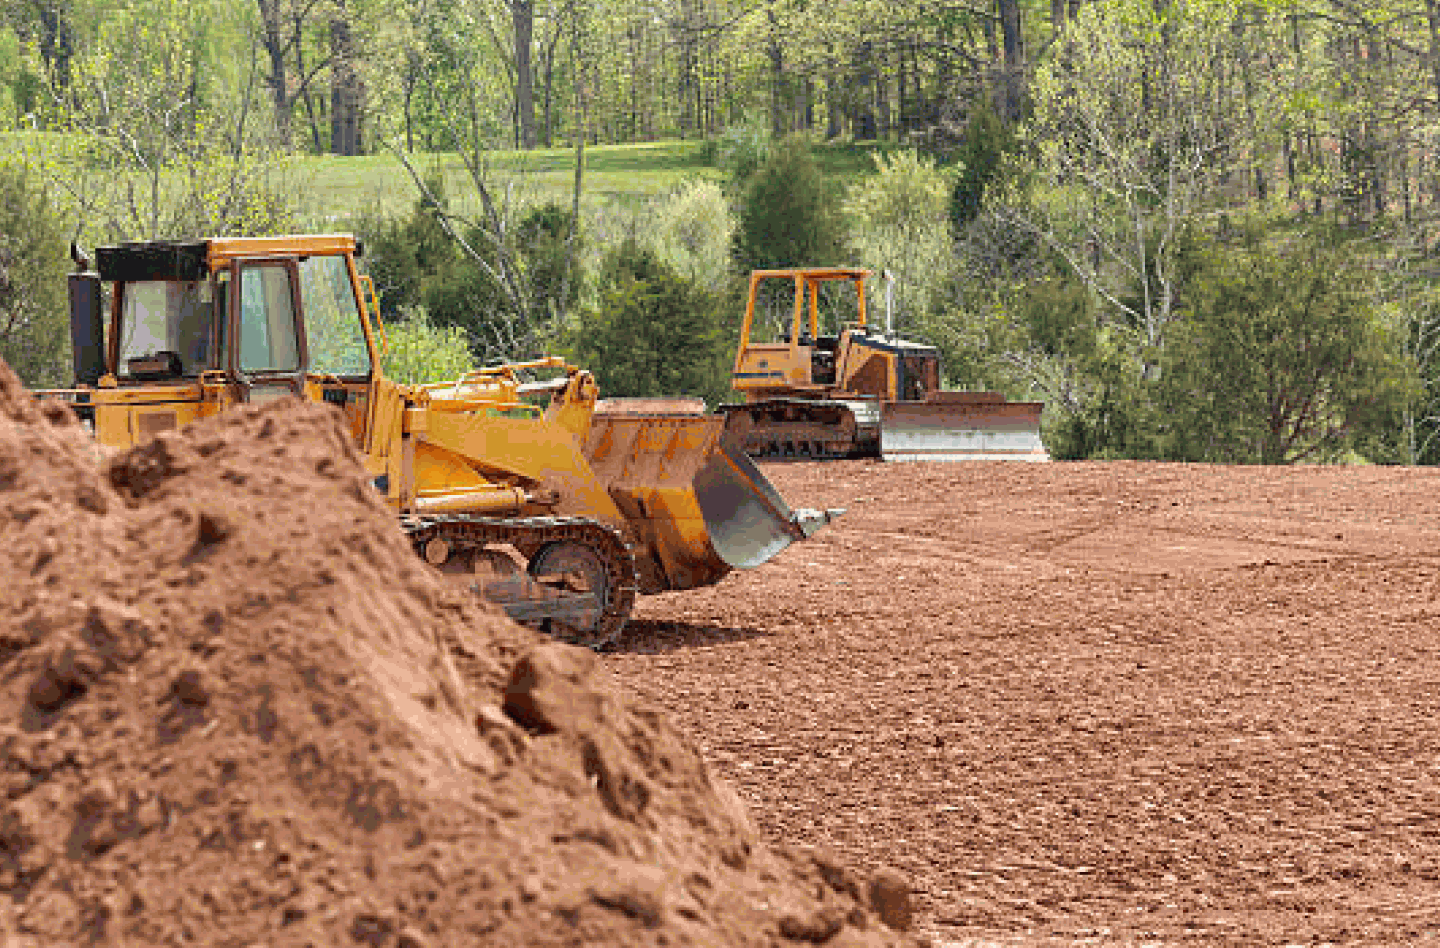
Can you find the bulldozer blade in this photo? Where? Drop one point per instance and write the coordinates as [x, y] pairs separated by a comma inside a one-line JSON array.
[[747, 519], [983, 427]]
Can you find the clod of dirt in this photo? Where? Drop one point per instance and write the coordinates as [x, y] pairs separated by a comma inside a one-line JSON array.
[[551, 689], [890, 898], [241, 711]]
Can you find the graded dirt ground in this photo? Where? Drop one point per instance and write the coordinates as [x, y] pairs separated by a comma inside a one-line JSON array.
[[1089, 703]]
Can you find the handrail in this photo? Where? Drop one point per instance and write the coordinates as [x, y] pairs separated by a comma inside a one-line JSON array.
[[373, 303], [459, 406]]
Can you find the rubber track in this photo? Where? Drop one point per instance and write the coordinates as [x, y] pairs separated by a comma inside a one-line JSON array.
[[463, 531]]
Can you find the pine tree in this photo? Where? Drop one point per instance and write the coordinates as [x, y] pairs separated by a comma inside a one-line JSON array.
[[788, 218]]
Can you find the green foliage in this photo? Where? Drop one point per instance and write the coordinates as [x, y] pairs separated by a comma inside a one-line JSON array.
[[403, 254], [981, 160], [415, 263], [897, 221], [1119, 156], [545, 237], [34, 313], [692, 231], [654, 333], [1108, 413], [141, 134], [1414, 308], [743, 147], [1090, 372], [1061, 317], [419, 351], [787, 216], [1284, 359]]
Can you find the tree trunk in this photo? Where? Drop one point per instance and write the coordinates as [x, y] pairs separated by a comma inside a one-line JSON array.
[[408, 108], [548, 51], [1432, 20], [347, 92], [777, 76], [547, 128], [522, 19], [902, 94], [57, 42], [863, 95], [883, 122], [1014, 63], [687, 62], [278, 78]]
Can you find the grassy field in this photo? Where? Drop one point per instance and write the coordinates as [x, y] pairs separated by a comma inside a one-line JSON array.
[[330, 190], [333, 193], [379, 183]]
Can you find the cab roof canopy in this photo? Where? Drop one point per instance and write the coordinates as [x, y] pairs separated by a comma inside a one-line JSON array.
[[194, 259], [814, 273], [153, 260]]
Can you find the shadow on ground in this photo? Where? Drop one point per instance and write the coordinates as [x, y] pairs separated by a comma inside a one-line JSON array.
[[654, 636]]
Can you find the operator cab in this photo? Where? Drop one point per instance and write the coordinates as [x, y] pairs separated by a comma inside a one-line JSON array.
[[175, 316], [189, 327]]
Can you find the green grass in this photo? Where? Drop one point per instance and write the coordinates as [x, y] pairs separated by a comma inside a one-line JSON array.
[[331, 191]]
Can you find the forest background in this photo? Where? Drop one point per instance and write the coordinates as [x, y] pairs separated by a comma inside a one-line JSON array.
[[1197, 229]]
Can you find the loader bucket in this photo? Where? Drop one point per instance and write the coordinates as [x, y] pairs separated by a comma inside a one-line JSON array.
[[747, 519], [962, 426], [697, 508]]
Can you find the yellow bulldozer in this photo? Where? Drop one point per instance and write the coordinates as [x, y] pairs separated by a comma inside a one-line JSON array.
[[514, 479], [855, 390]]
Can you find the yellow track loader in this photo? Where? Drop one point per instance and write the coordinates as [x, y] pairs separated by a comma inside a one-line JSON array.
[[855, 391], [510, 479]]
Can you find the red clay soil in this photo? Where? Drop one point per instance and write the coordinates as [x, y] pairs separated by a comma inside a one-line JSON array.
[[237, 710], [1089, 703]]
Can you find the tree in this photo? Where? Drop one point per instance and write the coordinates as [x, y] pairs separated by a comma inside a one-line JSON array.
[[523, 315], [522, 27], [788, 217], [153, 150], [981, 158], [417, 264], [653, 333], [34, 321], [899, 222], [420, 352], [1284, 359], [1134, 120], [347, 89], [304, 42], [691, 231]]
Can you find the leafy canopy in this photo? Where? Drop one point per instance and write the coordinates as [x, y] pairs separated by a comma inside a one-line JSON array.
[[1284, 359]]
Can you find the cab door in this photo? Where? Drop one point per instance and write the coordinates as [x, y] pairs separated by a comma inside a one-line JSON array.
[[268, 354], [338, 363]]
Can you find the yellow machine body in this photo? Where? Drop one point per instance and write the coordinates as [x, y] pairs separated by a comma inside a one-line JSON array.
[[493, 473], [829, 384]]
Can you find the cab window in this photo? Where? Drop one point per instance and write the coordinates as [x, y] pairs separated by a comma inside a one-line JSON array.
[[332, 320], [167, 316], [268, 337]]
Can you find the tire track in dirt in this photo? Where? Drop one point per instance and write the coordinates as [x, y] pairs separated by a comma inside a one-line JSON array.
[[1215, 726]]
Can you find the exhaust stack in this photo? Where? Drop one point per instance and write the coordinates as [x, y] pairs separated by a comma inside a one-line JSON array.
[[87, 328]]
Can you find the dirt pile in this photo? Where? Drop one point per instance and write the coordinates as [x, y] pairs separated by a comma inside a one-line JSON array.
[[238, 710]]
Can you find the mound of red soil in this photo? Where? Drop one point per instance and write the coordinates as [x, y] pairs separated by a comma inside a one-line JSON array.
[[238, 710]]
